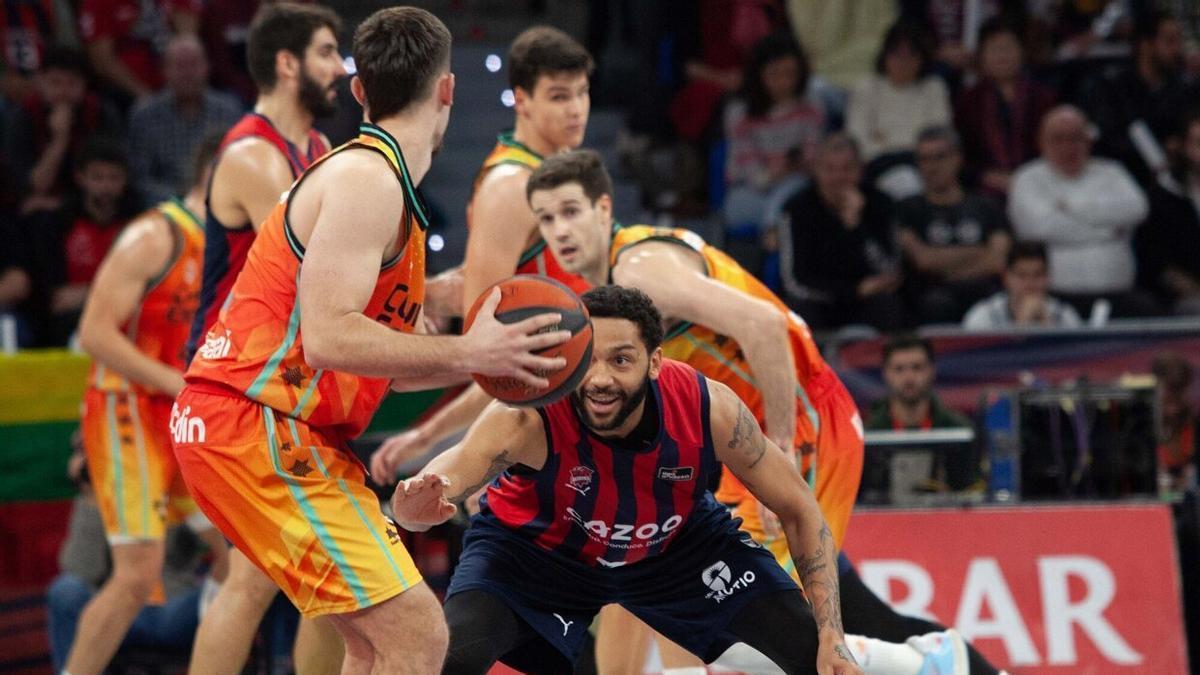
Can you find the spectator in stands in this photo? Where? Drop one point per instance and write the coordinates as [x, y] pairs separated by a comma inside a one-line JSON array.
[[837, 256], [998, 116], [15, 289], [954, 24], [224, 28], [954, 242], [125, 40], [770, 129], [165, 130], [1085, 210], [52, 125], [911, 405], [84, 564], [1168, 245], [1139, 107], [27, 31], [1025, 301], [1179, 442], [67, 245], [889, 108]]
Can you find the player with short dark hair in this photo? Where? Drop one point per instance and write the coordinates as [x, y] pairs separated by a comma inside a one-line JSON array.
[[602, 498], [303, 354]]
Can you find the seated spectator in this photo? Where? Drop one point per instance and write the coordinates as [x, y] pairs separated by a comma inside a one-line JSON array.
[[27, 30], [770, 129], [1085, 210], [1168, 245], [954, 242], [889, 108], [67, 245], [1179, 440], [837, 260], [84, 564], [911, 405], [1025, 301], [165, 130], [52, 125], [125, 40], [1138, 108], [998, 116]]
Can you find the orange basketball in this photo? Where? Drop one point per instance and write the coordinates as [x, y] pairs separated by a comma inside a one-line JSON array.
[[526, 295]]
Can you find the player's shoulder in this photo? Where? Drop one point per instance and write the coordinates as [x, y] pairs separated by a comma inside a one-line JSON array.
[[145, 240], [251, 155], [505, 180], [360, 171], [724, 403]]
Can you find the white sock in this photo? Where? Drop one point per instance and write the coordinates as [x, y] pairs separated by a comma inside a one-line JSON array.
[[689, 670], [877, 657]]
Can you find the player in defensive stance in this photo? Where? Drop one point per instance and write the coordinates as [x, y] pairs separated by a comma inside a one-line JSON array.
[[602, 498], [726, 324]]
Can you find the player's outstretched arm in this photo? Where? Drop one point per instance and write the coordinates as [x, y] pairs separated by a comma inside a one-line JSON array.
[[502, 437], [349, 241], [501, 225], [413, 443], [141, 253], [667, 273], [772, 477]]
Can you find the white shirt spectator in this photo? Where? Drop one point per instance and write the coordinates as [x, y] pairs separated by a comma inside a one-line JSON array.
[[995, 313], [884, 118], [1086, 222]]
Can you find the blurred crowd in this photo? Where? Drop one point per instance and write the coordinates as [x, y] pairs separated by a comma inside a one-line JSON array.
[[974, 162], [893, 164]]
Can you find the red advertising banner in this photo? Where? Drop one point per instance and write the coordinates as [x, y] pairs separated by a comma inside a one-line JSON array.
[[1038, 589]]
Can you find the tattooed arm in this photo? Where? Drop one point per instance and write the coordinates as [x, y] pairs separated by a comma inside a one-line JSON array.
[[502, 437], [771, 476]]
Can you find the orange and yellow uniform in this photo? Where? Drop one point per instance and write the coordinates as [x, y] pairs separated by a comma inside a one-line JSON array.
[[125, 425], [261, 436], [537, 259], [829, 437]]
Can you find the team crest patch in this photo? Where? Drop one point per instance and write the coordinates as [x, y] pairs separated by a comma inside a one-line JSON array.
[[676, 473], [580, 479]]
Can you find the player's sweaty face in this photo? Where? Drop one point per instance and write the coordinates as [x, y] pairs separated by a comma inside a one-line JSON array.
[[611, 395], [558, 108], [571, 224]]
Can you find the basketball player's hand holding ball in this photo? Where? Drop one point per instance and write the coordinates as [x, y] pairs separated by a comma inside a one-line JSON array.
[[420, 502], [507, 350]]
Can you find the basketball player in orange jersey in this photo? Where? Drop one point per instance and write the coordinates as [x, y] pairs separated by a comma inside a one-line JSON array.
[[548, 72], [293, 57], [134, 326], [302, 355], [728, 326]]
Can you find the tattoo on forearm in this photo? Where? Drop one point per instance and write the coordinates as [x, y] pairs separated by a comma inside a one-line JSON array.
[[818, 574], [499, 463], [748, 436], [844, 653]]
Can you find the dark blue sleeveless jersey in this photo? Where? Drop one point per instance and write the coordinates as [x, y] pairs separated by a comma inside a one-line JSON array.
[[225, 248], [606, 505]]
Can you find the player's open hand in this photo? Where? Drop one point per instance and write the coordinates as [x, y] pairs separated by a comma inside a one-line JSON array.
[[506, 350], [834, 658], [395, 452], [420, 503]]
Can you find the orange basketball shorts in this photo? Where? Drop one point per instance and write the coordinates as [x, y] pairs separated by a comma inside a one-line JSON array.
[[292, 498]]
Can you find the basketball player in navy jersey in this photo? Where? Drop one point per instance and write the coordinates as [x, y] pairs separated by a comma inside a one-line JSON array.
[[603, 498], [292, 54]]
